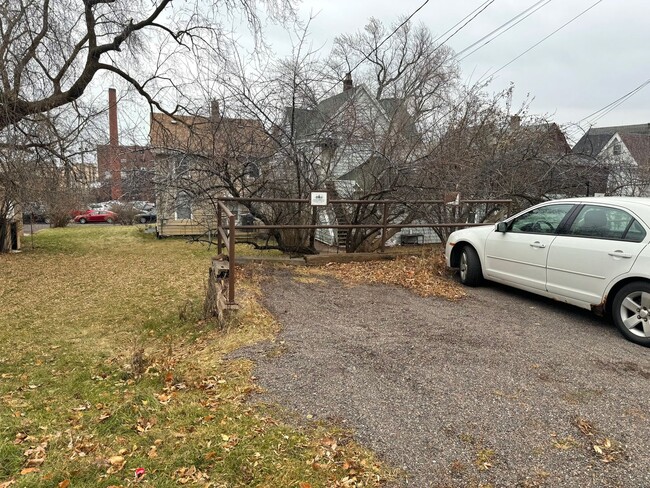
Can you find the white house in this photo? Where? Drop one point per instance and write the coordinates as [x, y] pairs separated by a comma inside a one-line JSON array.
[[625, 152]]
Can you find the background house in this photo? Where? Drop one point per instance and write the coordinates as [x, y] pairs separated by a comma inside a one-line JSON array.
[[199, 159], [623, 153], [350, 144]]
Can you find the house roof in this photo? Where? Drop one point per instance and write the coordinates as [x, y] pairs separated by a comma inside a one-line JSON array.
[[596, 138], [639, 147], [556, 139], [310, 123], [221, 136]]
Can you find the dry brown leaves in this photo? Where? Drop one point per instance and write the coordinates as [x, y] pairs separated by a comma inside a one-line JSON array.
[[360, 471], [608, 450], [191, 475], [426, 276]]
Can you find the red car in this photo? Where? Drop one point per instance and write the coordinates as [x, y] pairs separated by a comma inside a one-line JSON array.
[[97, 216]]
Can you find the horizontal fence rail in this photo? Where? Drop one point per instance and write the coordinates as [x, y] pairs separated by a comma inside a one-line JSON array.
[[226, 233]]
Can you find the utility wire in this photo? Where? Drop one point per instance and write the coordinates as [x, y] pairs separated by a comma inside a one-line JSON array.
[[481, 7], [376, 48], [467, 19], [545, 38], [526, 13], [611, 106], [480, 10]]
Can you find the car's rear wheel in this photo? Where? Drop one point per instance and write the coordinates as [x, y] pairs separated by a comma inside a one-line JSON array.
[[82, 221], [631, 312], [143, 220], [470, 267]]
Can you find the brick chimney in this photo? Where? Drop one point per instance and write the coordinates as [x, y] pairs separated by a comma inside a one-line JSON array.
[[347, 82], [114, 144], [515, 122], [215, 115]]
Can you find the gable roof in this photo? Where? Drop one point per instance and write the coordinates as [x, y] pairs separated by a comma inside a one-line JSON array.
[[312, 122], [639, 147], [222, 136], [596, 138], [554, 136]]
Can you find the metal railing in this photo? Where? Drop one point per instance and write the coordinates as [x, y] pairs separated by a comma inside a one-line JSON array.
[[226, 234]]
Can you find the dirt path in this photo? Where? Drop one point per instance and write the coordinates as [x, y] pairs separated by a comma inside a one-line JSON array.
[[501, 387]]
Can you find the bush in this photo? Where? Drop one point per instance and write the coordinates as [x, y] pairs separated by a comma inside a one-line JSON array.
[[126, 213]]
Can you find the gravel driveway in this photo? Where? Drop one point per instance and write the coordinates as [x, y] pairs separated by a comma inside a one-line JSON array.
[[499, 389]]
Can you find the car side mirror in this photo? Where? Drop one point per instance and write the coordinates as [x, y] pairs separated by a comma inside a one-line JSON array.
[[502, 227]]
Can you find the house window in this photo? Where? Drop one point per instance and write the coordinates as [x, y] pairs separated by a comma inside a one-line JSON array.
[[183, 206], [616, 148]]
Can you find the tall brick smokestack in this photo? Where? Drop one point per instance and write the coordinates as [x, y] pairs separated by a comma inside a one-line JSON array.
[[112, 117], [115, 166]]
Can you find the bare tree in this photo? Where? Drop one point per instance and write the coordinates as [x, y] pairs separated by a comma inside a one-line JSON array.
[[51, 51], [408, 66]]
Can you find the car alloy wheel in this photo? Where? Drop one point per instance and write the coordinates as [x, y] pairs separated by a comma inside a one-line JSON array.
[[631, 312], [635, 313]]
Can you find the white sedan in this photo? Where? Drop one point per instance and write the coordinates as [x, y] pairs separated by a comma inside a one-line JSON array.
[[589, 252]]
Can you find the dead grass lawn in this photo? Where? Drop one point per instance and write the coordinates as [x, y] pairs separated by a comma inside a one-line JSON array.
[[106, 367]]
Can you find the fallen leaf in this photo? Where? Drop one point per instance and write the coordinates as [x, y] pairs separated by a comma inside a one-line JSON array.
[[29, 471], [64, 484], [116, 460], [104, 416]]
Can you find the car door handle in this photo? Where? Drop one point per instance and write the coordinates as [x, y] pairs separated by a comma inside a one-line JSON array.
[[620, 254], [538, 245]]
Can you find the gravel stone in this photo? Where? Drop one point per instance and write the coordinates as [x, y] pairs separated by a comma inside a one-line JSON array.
[[491, 389]]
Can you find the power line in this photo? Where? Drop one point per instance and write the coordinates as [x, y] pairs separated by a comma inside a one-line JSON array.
[[526, 13], [384, 41], [545, 38], [611, 106], [467, 19], [477, 10], [480, 10]]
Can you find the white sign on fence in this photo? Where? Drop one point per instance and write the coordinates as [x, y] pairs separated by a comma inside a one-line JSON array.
[[319, 198]]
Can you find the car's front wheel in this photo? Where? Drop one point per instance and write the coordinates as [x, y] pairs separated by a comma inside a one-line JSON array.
[[82, 221], [631, 312], [143, 220], [109, 220], [470, 267]]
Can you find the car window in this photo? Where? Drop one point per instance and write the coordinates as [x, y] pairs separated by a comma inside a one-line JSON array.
[[606, 223], [635, 233], [543, 220]]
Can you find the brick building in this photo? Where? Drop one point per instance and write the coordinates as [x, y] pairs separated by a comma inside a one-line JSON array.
[[124, 172]]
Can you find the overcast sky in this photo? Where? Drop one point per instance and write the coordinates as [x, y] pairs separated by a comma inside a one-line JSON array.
[[596, 59], [585, 66]]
